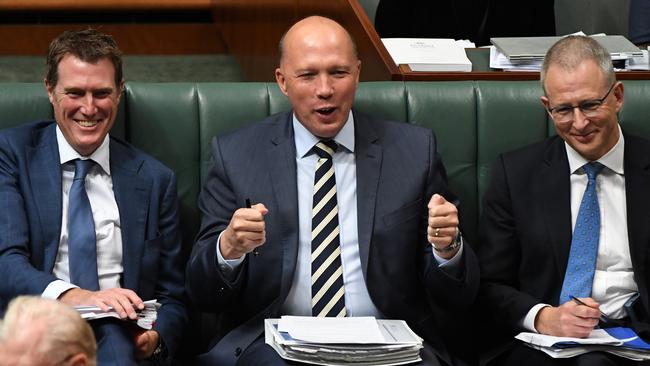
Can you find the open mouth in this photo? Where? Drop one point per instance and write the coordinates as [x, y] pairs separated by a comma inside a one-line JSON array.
[[87, 123], [326, 111]]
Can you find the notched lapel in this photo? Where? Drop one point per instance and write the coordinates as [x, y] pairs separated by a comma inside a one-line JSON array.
[[368, 157], [554, 194], [132, 194], [45, 181], [281, 162], [637, 183]]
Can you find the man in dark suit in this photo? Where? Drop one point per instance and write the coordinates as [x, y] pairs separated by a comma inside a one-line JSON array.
[[114, 242], [567, 216], [390, 190]]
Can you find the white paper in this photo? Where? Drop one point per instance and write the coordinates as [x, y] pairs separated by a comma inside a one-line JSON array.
[[354, 330]]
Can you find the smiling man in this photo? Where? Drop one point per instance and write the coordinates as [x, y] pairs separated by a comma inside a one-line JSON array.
[[351, 216], [566, 217], [87, 219]]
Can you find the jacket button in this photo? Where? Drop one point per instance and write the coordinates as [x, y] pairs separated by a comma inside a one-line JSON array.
[[237, 351]]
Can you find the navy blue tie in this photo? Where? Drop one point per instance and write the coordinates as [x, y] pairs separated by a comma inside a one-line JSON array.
[[581, 266], [327, 288], [82, 243]]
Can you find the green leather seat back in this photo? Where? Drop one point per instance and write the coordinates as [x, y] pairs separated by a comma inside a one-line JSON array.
[[163, 120]]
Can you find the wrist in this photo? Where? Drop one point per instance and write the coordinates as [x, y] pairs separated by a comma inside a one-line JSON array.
[[451, 249]]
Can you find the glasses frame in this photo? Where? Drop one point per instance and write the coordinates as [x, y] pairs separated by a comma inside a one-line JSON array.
[[584, 111]]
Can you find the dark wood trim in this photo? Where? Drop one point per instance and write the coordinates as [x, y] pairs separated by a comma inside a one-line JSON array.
[[141, 38]]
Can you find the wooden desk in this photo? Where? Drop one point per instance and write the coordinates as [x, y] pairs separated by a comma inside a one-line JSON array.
[[252, 28]]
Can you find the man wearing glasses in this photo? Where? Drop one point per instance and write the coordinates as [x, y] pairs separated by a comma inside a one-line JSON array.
[[563, 235]]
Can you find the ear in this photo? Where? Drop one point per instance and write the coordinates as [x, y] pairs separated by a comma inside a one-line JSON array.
[[120, 89], [80, 359], [358, 71], [618, 94], [50, 91], [544, 101], [281, 80]]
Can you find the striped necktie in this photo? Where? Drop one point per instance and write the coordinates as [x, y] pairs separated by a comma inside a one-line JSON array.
[[326, 271]]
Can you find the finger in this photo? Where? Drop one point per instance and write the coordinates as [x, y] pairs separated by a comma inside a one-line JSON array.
[[448, 223], [260, 208], [125, 306], [436, 200], [135, 300]]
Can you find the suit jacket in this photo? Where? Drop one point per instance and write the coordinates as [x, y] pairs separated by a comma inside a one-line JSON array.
[[525, 231], [398, 170], [30, 222]]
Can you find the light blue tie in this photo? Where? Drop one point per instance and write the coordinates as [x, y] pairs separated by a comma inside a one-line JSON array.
[[82, 243], [581, 266]]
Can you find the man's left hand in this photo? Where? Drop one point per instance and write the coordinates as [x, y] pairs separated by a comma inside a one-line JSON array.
[[145, 343], [443, 224]]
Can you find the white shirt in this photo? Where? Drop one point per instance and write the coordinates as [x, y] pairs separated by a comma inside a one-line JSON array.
[[614, 277], [357, 298], [99, 187]]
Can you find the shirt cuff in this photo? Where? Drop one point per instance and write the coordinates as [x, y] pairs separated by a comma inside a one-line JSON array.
[[453, 262], [227, 267], [529, 320], [56, 288]]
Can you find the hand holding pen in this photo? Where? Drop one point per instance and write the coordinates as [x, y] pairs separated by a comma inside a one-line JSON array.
[[245, 232], [603, 317]]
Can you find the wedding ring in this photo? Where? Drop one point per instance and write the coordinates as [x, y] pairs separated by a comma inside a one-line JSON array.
[[437, 233]]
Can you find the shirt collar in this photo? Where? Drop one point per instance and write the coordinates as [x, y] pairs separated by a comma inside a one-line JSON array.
[[613, 159], [68, 153], [305, 140]]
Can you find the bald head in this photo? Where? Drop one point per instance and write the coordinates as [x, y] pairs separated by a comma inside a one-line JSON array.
[[316, 26]]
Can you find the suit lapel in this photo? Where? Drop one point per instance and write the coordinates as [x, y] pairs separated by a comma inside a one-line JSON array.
[[281, 162], [45, 179], [554, 195], [637, 183], [368, 158], [132, 194]]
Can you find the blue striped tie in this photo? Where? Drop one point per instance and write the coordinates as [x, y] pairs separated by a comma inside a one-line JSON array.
[[581, 266], [327, 273], [82, 243]]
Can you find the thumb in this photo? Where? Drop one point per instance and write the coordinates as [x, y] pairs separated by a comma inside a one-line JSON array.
[[436, 200], [261, 208]]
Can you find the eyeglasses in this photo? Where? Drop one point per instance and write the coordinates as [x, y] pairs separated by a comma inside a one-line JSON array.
[[564, 113]]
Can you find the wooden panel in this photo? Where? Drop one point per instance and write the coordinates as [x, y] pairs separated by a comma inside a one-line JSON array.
[[252, 30], [144, 38], [86, 5]]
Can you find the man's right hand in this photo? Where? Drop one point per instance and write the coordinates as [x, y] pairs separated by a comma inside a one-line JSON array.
[[569, 319], [124, 301], [245, 232]]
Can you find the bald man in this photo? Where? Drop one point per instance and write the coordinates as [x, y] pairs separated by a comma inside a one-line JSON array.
[[340, 225]]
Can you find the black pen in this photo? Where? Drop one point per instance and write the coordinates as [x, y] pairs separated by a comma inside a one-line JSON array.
[[248, 205], [603, 317]]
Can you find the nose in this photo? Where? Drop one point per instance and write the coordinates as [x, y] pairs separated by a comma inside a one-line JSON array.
[[579, 118], [324, 87], [88, 106]]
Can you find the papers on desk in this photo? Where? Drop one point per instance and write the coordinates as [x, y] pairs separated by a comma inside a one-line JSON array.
[[429, 54], [146, 317], [527, 53], [623, 342], [343, 341]]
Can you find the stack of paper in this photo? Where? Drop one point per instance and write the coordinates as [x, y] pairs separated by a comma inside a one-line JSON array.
[[343, 341], [623, 342], [429, 54], [146, 317], [527, 53]]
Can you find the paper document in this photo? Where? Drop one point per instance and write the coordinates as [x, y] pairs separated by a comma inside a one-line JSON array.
[[618, 341], [146, 317], [339, 341], [332, 330], [429, 54]]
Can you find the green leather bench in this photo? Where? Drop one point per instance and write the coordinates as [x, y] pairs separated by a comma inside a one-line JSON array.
[[473, 120]]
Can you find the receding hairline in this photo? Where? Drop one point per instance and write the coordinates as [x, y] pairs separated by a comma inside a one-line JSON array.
[[572, 51], [308, 21]]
